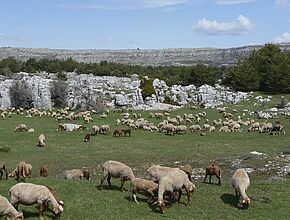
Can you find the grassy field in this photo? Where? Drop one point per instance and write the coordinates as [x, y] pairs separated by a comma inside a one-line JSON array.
[[83, 200]]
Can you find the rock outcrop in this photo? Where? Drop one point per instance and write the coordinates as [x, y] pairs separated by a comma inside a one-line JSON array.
[[90, 92]]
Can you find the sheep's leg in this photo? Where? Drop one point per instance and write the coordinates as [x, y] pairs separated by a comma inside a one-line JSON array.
[[150, 195], [219, 178], [1, 174], [205, 178], [122, 184], [179, 195], [41, 210], [210, 178], [109, 180], [188, 196], [102, 182]]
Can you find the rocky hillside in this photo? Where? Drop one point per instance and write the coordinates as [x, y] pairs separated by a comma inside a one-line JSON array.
[[153, 57]]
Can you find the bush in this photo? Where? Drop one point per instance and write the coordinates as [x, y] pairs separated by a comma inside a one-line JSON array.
[[147, 87], [20, 95]]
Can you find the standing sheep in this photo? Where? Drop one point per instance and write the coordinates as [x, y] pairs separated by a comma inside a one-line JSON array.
[[22, 170], [213, 170], [240, 182], [147, 186], [6, 209], [156, 172], [3, 170], [117, 170], [41, 140], [43, 171], [174, 182], [29, 194]]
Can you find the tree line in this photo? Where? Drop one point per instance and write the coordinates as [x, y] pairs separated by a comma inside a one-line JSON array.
[[266, 70]]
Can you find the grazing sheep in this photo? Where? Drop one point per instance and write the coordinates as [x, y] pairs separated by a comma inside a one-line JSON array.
[[180, 128], [213, 170], [266, 127], [22, 170], [30, 130], [56, 195], [95, 130], [212, 128], [175, 181], [104, 129], [254, 127], [29, 194], [188, 170], [147, 186], [126, 131], [86, 174], [236, 127], [3, 170], [169, 129], [7, 210], [41, 140], [240, 182], [72, 174], [21, 127], [43, 171], [225, 128], [117, 132], [194, 128], [87, 138], [277, 130], [156, 172], [117, 170]]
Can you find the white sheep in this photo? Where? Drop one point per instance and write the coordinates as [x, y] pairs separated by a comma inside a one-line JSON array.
[[175, 181], [240, 182], [29, 194], [117, 170], [6, 209], [72, 174], [147, 186], [95, 130], [41, 140], [194, 128], [104, 129], [156, 172]]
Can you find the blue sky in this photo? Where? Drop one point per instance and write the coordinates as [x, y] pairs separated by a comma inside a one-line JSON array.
[[122, 24]]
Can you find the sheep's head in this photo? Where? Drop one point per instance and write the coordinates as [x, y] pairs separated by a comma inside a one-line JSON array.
[[246, 202], [57, 211], [161, 205]]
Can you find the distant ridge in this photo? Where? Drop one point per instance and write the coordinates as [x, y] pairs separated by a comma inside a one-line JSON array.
[[144, 57]]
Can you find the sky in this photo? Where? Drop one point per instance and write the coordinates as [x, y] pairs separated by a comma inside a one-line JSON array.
[[144, 24]]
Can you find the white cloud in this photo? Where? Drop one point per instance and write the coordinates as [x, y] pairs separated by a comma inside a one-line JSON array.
[[284, 38], [241, 26], [125, 4], [282, 3], [233, 2]]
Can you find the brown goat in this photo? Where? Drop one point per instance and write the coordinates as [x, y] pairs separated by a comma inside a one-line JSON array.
[[43, 171], [3, 170], [213, 170]]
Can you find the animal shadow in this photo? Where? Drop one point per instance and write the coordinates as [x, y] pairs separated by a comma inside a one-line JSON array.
[[107, 187], [230, 199]]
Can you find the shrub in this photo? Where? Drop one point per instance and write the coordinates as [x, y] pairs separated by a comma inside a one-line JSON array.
[[147, 87]]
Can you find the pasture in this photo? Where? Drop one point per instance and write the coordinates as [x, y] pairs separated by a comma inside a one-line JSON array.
[[66, 150]]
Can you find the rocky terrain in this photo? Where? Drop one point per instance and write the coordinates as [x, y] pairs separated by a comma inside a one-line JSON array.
[[82, 91], [152, 57]]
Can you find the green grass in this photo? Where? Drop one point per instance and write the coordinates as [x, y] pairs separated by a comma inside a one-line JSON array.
[[66, 150]]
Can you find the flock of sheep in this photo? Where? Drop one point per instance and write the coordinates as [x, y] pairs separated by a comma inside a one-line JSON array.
[[164, 181]]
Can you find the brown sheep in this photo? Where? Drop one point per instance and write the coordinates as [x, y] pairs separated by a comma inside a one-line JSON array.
[[22, 170], [126, 131], [117, 132], [56, 195], [147, 186], [86, 174], [188, 170], [87, 138], [213, 170], [43, 171], [3, 170]]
